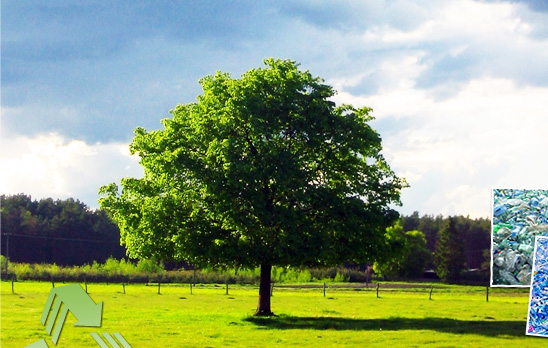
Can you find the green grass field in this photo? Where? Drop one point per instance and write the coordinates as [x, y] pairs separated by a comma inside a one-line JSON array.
[[456, 316]]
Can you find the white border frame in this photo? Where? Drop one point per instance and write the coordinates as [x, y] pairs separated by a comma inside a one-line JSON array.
[[531, 289], [491, 233]]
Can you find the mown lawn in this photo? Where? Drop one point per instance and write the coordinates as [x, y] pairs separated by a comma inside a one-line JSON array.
[[456, 316]]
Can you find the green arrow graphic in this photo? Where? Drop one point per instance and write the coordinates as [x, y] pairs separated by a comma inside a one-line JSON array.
[[77, 301], [110, 340], [38, 344]]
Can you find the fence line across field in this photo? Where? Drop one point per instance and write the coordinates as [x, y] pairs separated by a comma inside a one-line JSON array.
[[381, 289]]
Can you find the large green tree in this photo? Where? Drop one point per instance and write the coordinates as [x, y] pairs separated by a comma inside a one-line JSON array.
[[260, 171]]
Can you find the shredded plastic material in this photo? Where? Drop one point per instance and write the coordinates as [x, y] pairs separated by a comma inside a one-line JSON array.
[[537, 319], [518, 217]]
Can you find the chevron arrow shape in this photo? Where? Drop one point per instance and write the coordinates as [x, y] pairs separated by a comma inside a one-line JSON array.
[[74, 299], [110, 340], [38, 344]]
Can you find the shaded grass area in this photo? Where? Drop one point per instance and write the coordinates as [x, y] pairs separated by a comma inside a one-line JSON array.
[[456, 317], [446, 325]]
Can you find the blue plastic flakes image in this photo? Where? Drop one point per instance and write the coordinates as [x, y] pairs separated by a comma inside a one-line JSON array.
[[518, 217], [537, 319]]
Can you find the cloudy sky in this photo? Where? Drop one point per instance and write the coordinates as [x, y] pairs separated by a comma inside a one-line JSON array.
[[459, 88]]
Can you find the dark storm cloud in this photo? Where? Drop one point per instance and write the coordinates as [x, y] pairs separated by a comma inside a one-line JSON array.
[[111, 66], [95, 70], [536, 5]]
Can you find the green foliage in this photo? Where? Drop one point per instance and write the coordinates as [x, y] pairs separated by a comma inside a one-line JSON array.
[[339, 277], [149, 266], [475, 234], [396, 248], [149, 271], [112, 266], [449, 257], [417, 256], [3, 263], [408, 255], [486, 264], [260, 170], [65, 232], [304, 276]]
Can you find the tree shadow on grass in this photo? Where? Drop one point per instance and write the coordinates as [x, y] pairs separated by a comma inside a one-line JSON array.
[[485, 328]]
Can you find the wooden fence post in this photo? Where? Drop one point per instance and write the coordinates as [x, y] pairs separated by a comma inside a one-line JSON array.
[[12, 280], [377, 290], [124, 287], [487, 293], [158, 286], [431, 288], [324, 289], [191, 288], [226, 288]]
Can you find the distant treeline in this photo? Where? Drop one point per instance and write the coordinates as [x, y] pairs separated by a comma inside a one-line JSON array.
[[474, 234], [67, 232], [64, 232]]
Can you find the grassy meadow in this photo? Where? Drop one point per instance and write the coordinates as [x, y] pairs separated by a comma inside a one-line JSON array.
[[457, 316]]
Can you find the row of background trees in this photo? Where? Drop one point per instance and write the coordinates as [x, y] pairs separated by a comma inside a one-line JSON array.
[[64, 232], [449, 245], [67, 232]]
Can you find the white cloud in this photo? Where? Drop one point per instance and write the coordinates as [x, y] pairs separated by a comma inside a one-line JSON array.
[[491, 134], [457, 87], [457, 19], [460, 104], [457, 41], [52, 166]]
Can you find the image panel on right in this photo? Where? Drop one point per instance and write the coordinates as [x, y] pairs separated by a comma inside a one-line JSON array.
[[519, 215], [537, 318]]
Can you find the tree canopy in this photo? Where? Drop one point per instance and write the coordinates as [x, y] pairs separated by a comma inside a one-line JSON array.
[[409, 254], [263, 170], [449, 256]]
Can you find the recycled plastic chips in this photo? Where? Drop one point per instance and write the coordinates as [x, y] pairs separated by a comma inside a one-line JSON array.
[[537, 319], [518, 217]]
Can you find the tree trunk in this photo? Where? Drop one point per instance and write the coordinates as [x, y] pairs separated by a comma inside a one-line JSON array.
[[263, 307]]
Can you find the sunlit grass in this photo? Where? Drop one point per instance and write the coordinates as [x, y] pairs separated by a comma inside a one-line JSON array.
[[456, 316]]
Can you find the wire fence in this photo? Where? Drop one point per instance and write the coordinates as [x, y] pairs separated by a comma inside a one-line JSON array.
[[385, 289]]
